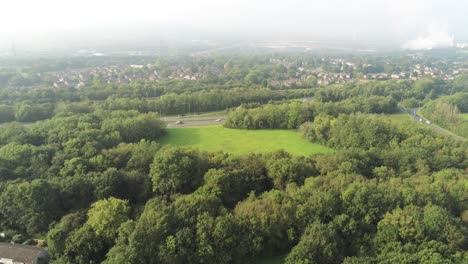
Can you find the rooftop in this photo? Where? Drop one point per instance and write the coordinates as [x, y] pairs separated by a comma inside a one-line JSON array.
[[20, 253]]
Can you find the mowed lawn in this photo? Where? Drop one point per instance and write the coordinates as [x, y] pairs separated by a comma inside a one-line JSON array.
[[401, 116], [236, 141]]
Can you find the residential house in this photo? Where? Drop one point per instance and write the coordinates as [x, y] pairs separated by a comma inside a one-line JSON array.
[[22, 254]]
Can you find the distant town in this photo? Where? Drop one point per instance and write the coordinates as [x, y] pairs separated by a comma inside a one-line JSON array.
[[273, 71]]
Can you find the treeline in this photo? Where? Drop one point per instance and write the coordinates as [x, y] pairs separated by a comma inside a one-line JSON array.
[[139, 89], [69, 140], [398, 90], [293, 115], [101, 91], [460, 100], [403, 147], [270, 116], [365, 104], [171, 103], [179, 97], [25, 112], [201, 101], [369, 97]]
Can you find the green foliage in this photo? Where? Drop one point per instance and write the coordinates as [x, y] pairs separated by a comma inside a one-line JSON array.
[[460, 100], [270, 116], [270, 221], [7, 113], [410, 103], [319, 244], [289, 169], [443, 112], [153, 226], [293, 115], [121, 252], [30, 113], [94, 176], [106, 216], [57, 236], [317, 131], [416, 225], [84, 246], [133, 127], [18, 156], [177, 170], [18, 239], [363, 132], [25, 207]]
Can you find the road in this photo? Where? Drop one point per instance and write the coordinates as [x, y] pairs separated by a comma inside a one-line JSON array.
[[194, 122], [417, 118]]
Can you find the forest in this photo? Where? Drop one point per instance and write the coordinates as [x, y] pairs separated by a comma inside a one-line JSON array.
[[83, 172]]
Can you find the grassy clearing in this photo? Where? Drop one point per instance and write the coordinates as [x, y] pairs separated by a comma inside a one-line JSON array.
[[401, 116], [464, 116], [235, 141]]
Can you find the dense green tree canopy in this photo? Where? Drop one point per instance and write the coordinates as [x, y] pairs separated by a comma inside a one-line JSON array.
[[85, 168]]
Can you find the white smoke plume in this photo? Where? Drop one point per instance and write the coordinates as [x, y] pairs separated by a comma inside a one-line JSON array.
[[435, 37]]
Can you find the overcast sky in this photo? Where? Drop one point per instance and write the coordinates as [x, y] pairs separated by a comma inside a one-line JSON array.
[[411, 23]]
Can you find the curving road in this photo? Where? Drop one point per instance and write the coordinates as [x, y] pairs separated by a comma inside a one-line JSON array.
[[419, 119]]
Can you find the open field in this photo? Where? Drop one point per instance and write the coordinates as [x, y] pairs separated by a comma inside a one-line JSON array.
[[401, 116], [235, 141], [464, 116]]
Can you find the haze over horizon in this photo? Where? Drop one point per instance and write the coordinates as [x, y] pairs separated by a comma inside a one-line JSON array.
[[413, 24]]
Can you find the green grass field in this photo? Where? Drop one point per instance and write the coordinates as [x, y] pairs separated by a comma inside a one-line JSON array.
[[401, 116], [236, 141], [464, 116]]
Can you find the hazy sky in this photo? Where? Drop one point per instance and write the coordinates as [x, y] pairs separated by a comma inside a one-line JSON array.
[[411, 23]]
